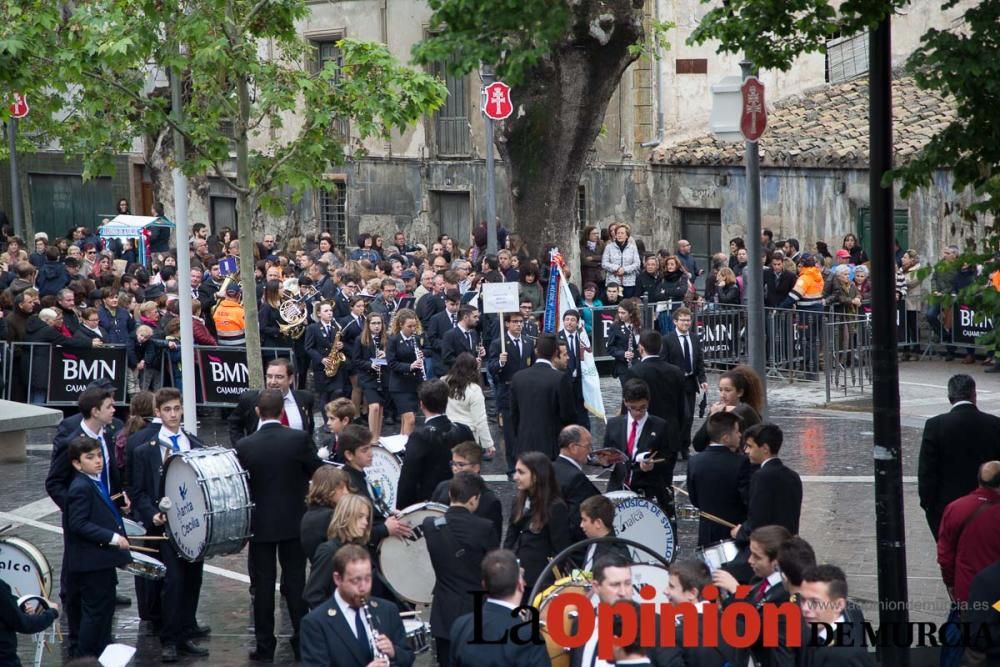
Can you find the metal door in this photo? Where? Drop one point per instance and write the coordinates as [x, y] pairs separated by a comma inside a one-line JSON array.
[[60, 202], [702, 227], [454, 215]]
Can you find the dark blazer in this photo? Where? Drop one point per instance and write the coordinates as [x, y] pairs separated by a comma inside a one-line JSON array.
[[142, 435], [984, 620], [90, 527], [350, 335], [515, 362], [948, 468], [575, 488], [318, 345], [748, 417], [652, 438], [145, 489], [701, 655], [399, 356], [319, 585], [457, 544], [718, 482], [666, 394], [489, 505], [369, 377], [775, 498], [14, 621], [672, 353], [541, 405], [497, 621], [358, 481], [312, 528], [617, 345], [573, 364], [428, 459], [535, 549], [428, 306], [61, 471], [852, 653], [453, 343], [438, 325], [281, 462], [243, 419], [778, 656], [327, 641]]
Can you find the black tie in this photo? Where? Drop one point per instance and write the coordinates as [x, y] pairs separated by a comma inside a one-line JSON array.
[[517, 344], [359, 627], [572, 345], [326, 331], [468, 335], [687, 354], [454, 321]]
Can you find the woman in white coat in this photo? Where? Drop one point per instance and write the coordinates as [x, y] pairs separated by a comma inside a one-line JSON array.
[[466, 402], [621, 260]]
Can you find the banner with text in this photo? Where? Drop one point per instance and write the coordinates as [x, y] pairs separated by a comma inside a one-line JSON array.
[[224, 374], [968, 325], [72, 370]]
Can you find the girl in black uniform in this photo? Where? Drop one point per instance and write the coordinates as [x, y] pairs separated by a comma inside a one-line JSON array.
[[623, 339], [373, 373], [405, 357]]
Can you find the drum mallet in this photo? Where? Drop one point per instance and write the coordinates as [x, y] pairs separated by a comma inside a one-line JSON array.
[[677, 488]]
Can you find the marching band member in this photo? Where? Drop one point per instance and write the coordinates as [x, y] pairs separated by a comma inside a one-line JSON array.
[[373, 372], [280, 461], [687, 580], [718, 479], [457, 544], [428, 449], [539, 519], [468, 457], [13, 621], [574, 485], [351, 524], [353, 629], [623, 339], [404, 356], [597, 519], [353, 324], [182, 584], [339, 413], [542, 399], [320, 342], [576, 350], [462, 338], [440, 324], [329, 484], [502, 366], [643, 438], [682, 348]]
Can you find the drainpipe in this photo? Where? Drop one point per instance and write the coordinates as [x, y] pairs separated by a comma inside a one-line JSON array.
[[660, 129]]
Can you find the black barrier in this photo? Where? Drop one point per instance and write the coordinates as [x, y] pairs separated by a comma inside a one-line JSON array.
[[223, 375], [967, 325]]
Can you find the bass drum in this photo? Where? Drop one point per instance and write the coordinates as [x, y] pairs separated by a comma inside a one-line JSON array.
[[643, 521], [383, 476], [405, 563], [210, 503], [24, 568], [656, 576], [558, 654]]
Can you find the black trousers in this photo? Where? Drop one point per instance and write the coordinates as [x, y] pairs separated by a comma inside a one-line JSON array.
[[94, 594], [181, 589], [442, 648], [690, 398], [503, 410], [262, 563]]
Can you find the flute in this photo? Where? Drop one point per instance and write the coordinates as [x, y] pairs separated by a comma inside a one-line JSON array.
[[374, 634]]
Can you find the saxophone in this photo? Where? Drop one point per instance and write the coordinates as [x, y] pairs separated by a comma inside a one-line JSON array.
[[335, 356]]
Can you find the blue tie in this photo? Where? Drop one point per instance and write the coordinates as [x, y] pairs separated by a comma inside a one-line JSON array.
[[105, 481], [107, 501], [174, 439]]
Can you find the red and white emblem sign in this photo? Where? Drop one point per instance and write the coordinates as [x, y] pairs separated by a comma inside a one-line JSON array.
[[19, 107], [753, 118], [496, 101]]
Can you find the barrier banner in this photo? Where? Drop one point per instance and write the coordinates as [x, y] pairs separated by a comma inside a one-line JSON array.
[[866, 310], [72, 370], [967, 325], [224, 374]]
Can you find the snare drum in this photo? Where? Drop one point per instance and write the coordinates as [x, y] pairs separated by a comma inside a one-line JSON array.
[[24, 568], [643, 521], [405, 563], [688, 513], [146, 567], [715, 555], [559, 655], [383, 476], [417, 633], [210, 512], [133, 528]]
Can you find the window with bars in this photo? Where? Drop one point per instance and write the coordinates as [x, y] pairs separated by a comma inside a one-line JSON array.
[[847, 57], [581, 206], [327, 51], [333, 212]]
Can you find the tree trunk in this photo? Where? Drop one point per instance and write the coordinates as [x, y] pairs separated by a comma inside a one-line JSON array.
[[245, 205], [558, 113]]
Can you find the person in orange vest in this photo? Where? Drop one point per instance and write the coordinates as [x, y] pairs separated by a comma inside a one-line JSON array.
[[230, 318]]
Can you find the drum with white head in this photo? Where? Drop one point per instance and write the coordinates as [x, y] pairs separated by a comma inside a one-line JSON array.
[[210, 505], [655, 576], [24, 568], [146, 567], [405, 562], [383, 477], [643, 521]]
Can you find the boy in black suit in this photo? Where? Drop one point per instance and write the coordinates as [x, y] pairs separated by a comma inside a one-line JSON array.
[[718, 479], [687, 579], [775, 489], [95, 546], [597, 519], [682, 348], [502, 366], [468, 457], [457, 544]]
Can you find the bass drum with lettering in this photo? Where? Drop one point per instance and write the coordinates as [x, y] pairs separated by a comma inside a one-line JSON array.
[[383, 477], [24, 568], [643, 521], [210, 503]]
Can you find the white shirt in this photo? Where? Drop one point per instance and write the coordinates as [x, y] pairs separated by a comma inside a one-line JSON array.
[[545, 361], [182, 442], [822, 629], [765, 462], [291, 412], [349, 614], [590, 651], [690, 349], [99, 437]]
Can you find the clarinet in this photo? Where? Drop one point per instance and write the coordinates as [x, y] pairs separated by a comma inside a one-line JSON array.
[[378, 368], [418, 349], [374, 634], [628, 330]]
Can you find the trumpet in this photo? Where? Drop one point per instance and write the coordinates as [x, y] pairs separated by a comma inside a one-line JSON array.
[[374, 634]]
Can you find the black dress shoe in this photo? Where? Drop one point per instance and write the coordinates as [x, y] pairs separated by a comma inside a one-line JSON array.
[[188, 647], [123, 601], [169, 653], [200, 631], [260, 656]]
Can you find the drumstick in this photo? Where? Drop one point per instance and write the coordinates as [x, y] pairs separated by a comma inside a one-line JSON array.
[[117, 496], [677, 488], [148, 537], [710, 517], [133, 547]]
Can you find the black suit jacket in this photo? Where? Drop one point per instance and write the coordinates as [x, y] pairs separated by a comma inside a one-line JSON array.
[[497, 622], [428, 306], [457, 544], [541, 405], [666, 394], [90, 527], [576, 488], [515, 362], [455, 342], [652, 438], [718, 482], [489, 505], [61, 471], [243, 419], [145, 489], [399, 356], [575, 354], [851, 654], [775, 498], [281, 462], [327, 640], [438, 325], [673, 354], [535, 549], [954, 445], [428, 459], [617, 344]]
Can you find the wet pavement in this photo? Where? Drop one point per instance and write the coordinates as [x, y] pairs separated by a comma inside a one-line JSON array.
[[830, 447]]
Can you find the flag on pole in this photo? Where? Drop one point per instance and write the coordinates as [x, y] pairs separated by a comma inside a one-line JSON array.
[[558, 300]]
